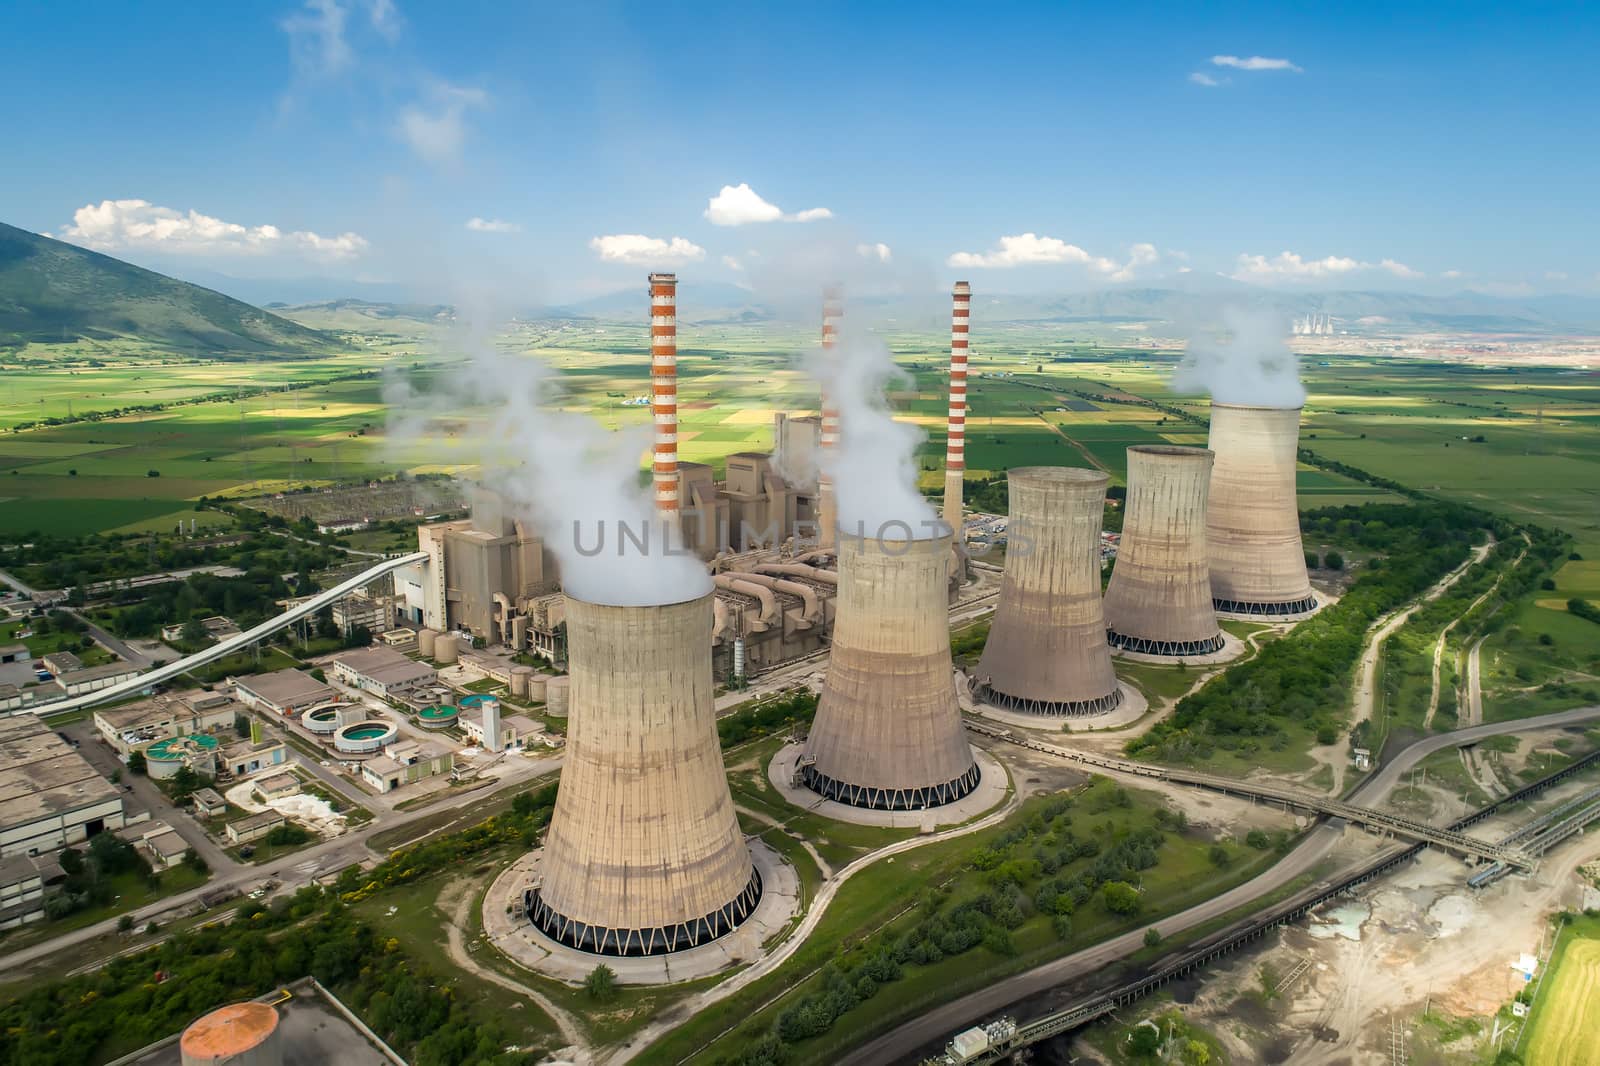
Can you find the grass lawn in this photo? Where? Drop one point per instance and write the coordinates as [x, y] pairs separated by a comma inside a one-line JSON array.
[[1564, 1027]]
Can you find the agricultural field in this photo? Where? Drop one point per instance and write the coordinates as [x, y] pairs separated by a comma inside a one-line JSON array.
[[1563, 1028]]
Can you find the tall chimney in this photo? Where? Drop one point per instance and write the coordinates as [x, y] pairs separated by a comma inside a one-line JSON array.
[[664, 387], [955, 449], [828, 433]]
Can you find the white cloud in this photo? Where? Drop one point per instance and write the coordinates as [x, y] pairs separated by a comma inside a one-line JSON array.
[[114, 225], [385, 18], [435, 132], [1030, 249], [1200, 77], [317, 47], [1140, 255], [1555, 275], [1253, 63], [492, 225], [1288, 266], [739, 205], [1452, 274], [879, 251], [731, 263], [639, 250]]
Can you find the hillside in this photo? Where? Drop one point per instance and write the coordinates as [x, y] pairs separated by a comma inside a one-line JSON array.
[[52, 292]]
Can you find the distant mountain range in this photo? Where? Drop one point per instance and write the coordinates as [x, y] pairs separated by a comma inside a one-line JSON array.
[[51, 291]]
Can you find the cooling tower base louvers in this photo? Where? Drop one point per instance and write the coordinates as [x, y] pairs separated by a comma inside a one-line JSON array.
[[1144, 646], [890, 799], [600, 940], [1048, 708], [1265, 610]]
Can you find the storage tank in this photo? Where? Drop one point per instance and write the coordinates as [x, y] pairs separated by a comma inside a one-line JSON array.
[[537, 687], [644, 854], [1159, 601], [425, 642], [558, 695], [1258, 565], [519, 681], [1047, 651], [888, 732], [445, 648], [240, 1034]]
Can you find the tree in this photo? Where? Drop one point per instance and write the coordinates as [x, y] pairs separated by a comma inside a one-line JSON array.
[[152, 473], [1219, 856], [1311, 560], [125, 923], [193, 861], [184, 783], [194, 632], [601, 984], [1333, 561], [241, 725], [1120, 897], [137, 763], [1257, 838], [1152, 937]]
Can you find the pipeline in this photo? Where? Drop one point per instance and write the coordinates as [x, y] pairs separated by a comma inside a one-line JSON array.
[[808, 595], [769, 602]]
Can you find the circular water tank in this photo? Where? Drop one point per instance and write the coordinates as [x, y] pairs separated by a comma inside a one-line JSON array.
[[519, 680], [445, 647], [425, 642], [364, 737], [536, 688], [558, 696], [240, 1034]]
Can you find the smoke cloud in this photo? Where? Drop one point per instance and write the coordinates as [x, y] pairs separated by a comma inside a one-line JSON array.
[[874, 468], [575, 482], [1245, 361]]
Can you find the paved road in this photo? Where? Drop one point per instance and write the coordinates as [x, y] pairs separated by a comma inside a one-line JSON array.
[[117, 647], [300, 866], [905, 1040]]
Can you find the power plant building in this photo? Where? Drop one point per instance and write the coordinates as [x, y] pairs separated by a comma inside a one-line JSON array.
[[1258, 565], [1047, 652], [1159, 601], [888, 732], [644, 854]]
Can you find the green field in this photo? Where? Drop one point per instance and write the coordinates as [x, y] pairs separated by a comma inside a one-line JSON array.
[[1564, 1029]]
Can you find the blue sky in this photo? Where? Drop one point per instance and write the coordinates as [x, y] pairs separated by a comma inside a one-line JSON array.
[[1030, 147]]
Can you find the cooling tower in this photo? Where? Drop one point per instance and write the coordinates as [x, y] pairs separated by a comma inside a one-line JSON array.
[[644, 854], [955, 449], [1047, 651], [1159, 599], [664, 387], [888, 732], [1258, 566], [240, 1034]]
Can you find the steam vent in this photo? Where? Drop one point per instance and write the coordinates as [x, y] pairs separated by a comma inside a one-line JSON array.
[[1047, 651], [1258, 566], [888, 731], [644, 855], [1159, 599], [240, 1034]]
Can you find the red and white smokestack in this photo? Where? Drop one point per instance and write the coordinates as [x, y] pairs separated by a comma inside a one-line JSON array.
[[664, 387], [955, 449], [828, 432]]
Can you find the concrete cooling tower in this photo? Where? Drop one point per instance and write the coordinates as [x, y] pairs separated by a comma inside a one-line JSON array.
[[1159, 599], [1047, 651], [644, 854], [1258, 566], [240, 1034], [888, 732]]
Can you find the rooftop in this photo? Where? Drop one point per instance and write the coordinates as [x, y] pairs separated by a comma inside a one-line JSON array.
[[384, 665], [257, 821], [278, 782], [282, 687], [41, 774], [94, 673]]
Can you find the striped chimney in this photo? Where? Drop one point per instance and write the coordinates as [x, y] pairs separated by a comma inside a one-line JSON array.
[[664, 387], [828, 435], [955, 449]]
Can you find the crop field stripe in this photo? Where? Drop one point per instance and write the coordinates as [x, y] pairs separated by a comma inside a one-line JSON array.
[[1567, 1032]]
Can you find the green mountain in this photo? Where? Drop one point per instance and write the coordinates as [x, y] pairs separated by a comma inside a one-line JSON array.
[[52, 292]]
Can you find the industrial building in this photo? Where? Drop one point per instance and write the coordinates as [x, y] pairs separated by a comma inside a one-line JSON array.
[[208, 802], [240, 1034], [217, 628], [95, 678], [22, 883], [253, 827], [284, 692], [372, 607], [1046, 652], [158, 842], [1258, 565], [888, 732], [382, 671], [49, 794], [134, 726], [494, 731], [1159, 601], [644, 854], [405, 763]]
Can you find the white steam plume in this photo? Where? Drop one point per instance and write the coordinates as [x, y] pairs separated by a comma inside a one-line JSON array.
[[576, 482], [1247, 362], [874, 467]]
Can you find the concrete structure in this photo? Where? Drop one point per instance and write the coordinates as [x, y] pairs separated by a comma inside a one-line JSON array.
[[285, 692], [401, 639], [888, 731], [514, 730], [198, 752], [1159, 601], [240, 1034], [644, 854], [61, 662], [208, 803], [371, 608], [364, 737], [828, 431], [241, 758], [664, 388], [95, 678], [406, 763], [955, 454], [276, 786], [1047, 651], [217, 628], [254, 827], [22, 884], [438, 716], [446, 648], [159, 843], [133, 726], [774, 611], [49, 794], [753, 507], [1258, 565], [520, 677], [13, 698], [558, 696], [425, 639], [382, 671]]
